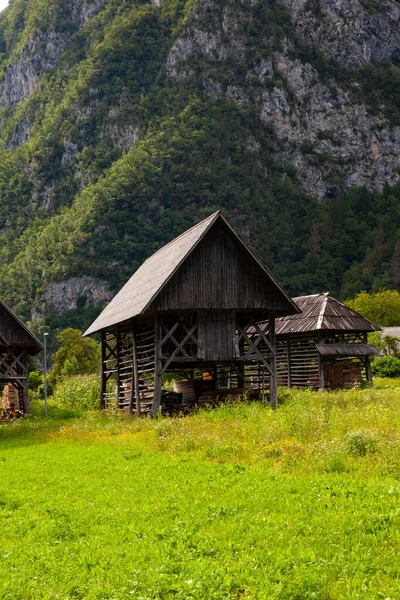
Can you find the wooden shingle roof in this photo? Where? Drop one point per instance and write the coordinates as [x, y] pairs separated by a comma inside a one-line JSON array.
[[321, 312], [14, 332], [150, 279]]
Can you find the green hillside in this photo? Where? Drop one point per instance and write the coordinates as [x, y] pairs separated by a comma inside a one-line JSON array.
[[104, 157]]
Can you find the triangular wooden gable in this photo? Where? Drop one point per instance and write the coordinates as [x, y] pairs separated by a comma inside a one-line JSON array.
[[13, 332], [222, 273]]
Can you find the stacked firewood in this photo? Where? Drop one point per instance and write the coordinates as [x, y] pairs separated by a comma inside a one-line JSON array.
[[9, 408], [342, 374]]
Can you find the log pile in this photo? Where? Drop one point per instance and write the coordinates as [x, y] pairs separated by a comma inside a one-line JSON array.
[[342, 374], [9, 404]]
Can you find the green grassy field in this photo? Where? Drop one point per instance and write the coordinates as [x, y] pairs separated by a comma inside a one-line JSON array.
[[235, 503]]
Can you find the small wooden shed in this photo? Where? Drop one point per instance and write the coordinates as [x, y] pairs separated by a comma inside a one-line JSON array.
[[326, 345], [16, 344], [188, 309]]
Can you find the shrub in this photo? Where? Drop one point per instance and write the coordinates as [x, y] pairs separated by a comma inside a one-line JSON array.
[[360, 443], [387, 366], [76, 355], [35, 379], [81, 391]]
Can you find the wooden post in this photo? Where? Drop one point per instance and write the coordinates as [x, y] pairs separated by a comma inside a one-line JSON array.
[[103, 379], [273, 389], [289, 374], [157, 370], [368, 371], [25, 397], [135, 391], [321, 371], [119, 382]]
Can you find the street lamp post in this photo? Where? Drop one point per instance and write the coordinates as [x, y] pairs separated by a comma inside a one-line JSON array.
[[45, 373]]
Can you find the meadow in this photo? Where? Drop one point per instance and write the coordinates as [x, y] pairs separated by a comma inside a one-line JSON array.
[[241, 502]]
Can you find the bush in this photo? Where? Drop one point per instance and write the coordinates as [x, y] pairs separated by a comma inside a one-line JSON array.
[[76, 355], [82, 391], [360, 443], [387, 366], [35, 379]]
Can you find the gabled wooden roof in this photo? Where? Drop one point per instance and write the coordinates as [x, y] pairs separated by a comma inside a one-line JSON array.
[[322, 312], [14, 332], [150, 279]]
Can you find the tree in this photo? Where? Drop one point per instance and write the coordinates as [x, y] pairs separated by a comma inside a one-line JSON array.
[[76, 355], [382, 308]]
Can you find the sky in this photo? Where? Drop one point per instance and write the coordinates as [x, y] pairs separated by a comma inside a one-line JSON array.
[[3, 4]]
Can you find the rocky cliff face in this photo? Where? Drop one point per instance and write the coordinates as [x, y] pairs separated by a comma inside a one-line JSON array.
[[354, 32], [327, 133], [109, 114], [41, 52]]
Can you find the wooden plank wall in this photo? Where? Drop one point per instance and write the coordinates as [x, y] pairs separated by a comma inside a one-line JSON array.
[[219, 274], [12, 331], [216, 335], [302, 354]]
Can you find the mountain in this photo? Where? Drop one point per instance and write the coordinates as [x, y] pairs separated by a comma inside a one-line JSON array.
[[123, 122]]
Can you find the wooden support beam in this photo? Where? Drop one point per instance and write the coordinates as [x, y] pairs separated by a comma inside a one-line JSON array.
[[25, 398], [157, 369], [289, 364], [103, 378], [368, 372], [119, 379], [273, 389], [321, 372], [135, 392]]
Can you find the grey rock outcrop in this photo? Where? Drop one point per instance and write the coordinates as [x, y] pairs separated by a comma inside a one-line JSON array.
[[20, 135], [348, 29], [77, 292], [41, 52], [327, 133]]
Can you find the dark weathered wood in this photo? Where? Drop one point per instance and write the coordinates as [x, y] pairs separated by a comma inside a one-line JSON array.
[[135, 391], [157, 371], [118, 352], [289, 376], [368, 372], [321, 372], [197, 309], [103, 379], [273, 390], [25, 398], [219, 274]]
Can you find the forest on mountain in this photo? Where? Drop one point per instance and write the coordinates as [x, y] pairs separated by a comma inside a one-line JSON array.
[[123, 122]]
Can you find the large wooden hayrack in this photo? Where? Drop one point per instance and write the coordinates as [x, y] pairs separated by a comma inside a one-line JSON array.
[[192, 308], [16, 344]]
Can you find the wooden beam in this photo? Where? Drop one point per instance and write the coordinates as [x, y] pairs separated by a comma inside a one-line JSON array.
[[157, 369], [135, 391], [25, 398], [289, 376], [321, 371], [368, 371], [273, 389], [119, 380], [103, 378]]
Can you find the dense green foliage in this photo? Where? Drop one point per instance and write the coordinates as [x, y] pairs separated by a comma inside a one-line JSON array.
[[75, 355], [386, 366], [80, 392], [382, 308], [120, 158], [238, 502]]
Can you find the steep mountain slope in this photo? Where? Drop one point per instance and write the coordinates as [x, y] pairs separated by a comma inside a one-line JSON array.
[[122, 122]]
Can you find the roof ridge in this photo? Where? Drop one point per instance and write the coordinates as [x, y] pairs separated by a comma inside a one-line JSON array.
[[21, 323], [323, 309], [210, 217]]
